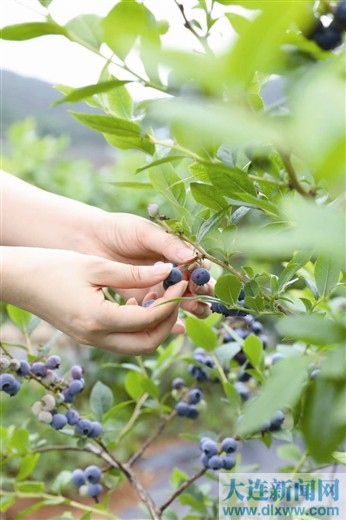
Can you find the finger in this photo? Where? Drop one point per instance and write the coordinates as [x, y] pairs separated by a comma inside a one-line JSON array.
[[206, 289], [115, 318], [199, 309], [143, 342], [131, 301], [169, 246], [117, 275], [179, 327]]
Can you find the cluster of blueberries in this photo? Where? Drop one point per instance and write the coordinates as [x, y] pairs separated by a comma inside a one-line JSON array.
[[46, 408], [187, 407], [218, 457], [329, 37], [88, 481], [199, 276]]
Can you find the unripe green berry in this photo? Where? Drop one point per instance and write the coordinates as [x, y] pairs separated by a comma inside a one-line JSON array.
[[45, 417]]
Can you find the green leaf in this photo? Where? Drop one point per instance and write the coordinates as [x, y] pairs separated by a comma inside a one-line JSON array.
[[132, 185], [20, 441], [118, 101], [312, 328], [289, 452], [340, 456], [150, 387], [228, 288], [29, 487], [31, 509], [62, 480], [19, 316], [6, 503], [86, 516], [101, 399], [282, 390], [323, 418], [253, 348], [297, 262], [327, 272], [163, 160], [208, 195], [84, 92], [238, 22], [209, 225], [27, 465], [27, 31], [87, 29], [227, 352], [115, 409], [45, 3], [231, 182], [165, 180], [232, 395], [133, 384], [201, 333]]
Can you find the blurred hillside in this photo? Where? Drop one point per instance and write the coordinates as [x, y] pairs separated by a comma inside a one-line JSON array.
[[24, 97]]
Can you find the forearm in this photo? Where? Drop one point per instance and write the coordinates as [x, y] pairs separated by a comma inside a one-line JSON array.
[[36, 218]]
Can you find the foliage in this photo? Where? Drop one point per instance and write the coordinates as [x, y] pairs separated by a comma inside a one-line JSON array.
[[257, 188]]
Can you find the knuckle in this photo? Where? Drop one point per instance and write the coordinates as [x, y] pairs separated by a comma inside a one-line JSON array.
[[135, 273]]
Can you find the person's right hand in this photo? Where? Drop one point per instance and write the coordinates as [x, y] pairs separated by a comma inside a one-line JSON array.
[[65, 289]]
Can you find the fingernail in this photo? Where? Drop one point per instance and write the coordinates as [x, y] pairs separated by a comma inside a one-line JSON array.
[[161, 268]]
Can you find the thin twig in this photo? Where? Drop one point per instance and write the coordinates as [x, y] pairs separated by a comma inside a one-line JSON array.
[[293, 179], [202, 39], [133, 417], [182, 488]]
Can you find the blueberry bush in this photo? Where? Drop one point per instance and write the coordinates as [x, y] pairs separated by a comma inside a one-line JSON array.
[[240, 145]]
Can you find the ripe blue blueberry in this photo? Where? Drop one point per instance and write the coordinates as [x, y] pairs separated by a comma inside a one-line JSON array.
[[200, 358], [340, 14], [39, 369], [83, 427], [96, 429], [199, 351], [276, 421], [53, 362], [72, 417], [209, 448], [194, 396], [77, 372], [92, 474], [277, 357], [209, 362], [203, 440], [215, 462], [242, 390], [178, 383], [256, 327], [78, 478], [59, 421], [198, 373], [94, 490], [241, 295], [9, 384], [75, 386], [182, 409], [328, 38], [68, 396], [192, 412], [24, 368], [229, 445], [200, 276], [228, 462], [205, 460], [174, 277]]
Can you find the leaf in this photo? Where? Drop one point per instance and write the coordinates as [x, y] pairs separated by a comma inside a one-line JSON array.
[[132, 185], [253, 348], [208, 195], [227, 352], [28, 510], [228, 288], [27, 31], [27, 465], [312, 328], [238, 22], [201, 333], [6, 503], [87, 28], [282, 389], [209, 225], [289, 452], [61, 481], [165, 180], [340, 456], [84, 92], [323, 418], [19, 441], [86, 516], [133, 385], [297, 262], [230, 181], [19, 316], [327, 272], [163, 160], [150, 387], [29, 487], [45, 3], [115, 409], [101, 399]]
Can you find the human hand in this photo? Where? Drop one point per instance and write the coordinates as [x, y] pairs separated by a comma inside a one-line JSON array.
[[135, 240], [65, 289]]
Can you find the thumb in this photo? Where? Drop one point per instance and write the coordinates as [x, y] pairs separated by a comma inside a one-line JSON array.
[[122, 276]]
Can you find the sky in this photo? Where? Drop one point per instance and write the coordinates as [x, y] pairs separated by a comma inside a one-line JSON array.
[[54, 58]]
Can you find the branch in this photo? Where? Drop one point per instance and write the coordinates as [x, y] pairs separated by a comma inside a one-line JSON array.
[[293, 179], [182, 488], [202, 39], [132, 420]]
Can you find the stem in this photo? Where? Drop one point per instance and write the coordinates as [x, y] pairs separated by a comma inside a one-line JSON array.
[[159, 429], [294, 182], [219, 368], [177, 147], [133, 417], [67, 501], [182, 488], [300, 463], [202, 39]]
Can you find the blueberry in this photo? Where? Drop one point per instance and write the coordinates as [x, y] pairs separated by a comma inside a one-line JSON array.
[[182, 409], [24, 368], [45, 417], [94, 490], [48, 402], [53, 362], [229, 445], [276, 421], [265, 427], [96, 429], [243, 333], [72, 417], [194, 396], [241, 295], [198, 373], [174, 277], [242, 390], [178, 383], [277, 357], [200, 358], [59, 421], [78, 478], [228, 462], [9, 384], [200, 276], [209, 448], [256, 327], [92, 474], [240, 357], [39, 369], [148, 303], [77, 372], [75, 386], [203, 440], [264, 340], [220, 308], [315, 373], [199, 351], [83, 427], [205, 460], [215, 462], [209, 362], [4, 363], [340, 14], [68, 396], [328, 38], [192, 412]]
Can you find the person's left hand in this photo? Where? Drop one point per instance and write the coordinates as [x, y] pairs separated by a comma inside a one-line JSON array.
[[135, 240]]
